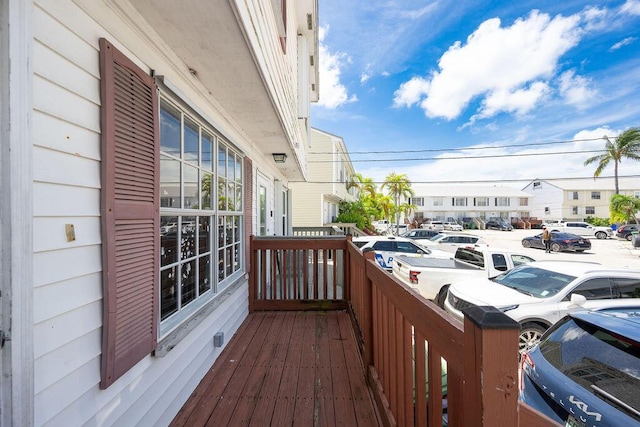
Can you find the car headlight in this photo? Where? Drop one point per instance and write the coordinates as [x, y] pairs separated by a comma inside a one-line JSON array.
[[509, 307]]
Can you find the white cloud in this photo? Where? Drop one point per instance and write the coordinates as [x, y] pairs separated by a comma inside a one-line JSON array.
[[622, 43], [410, 92], [506, 65], [595, 18], [332, 92], [364, 77], [632, 7], [575, 89]]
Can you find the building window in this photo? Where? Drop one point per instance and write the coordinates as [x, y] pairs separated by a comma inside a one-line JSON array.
[[595, 195], [537, 184], [459, 201], [482, 201], [201, 188], [438, 201], [573, 195], [636, 194], [574, 210], [503, 201], [547, 211], [524, 201], [590, 210], [418, 201]]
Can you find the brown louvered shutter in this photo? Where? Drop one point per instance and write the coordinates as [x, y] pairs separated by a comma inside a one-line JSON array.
[[248, 209], [130, 213]]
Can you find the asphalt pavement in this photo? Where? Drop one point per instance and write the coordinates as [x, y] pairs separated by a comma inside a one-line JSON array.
[[611, 252]]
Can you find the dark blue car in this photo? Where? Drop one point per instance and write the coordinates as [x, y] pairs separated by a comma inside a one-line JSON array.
[[560, 242], [586, 369]]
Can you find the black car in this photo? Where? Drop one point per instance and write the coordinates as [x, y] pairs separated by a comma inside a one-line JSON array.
[[498, 224], [559, 242], [420, 234], [625, 231]]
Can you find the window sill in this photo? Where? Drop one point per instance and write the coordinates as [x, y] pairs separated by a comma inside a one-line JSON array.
[[172, 339]]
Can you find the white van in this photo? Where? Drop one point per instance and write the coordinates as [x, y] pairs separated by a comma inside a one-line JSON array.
[[434, 225]]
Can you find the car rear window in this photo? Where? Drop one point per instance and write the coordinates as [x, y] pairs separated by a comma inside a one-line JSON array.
[[603, 363]]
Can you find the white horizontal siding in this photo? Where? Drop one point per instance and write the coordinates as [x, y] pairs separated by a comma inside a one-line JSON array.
[[77, 291], [63, 200], [49, 232]]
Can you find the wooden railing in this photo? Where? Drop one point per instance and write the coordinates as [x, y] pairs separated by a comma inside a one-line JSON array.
[[420, 362], [333, 229]]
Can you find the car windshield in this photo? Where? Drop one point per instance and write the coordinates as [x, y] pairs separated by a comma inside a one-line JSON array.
[[603, 363], [534, 281], [437, 237]]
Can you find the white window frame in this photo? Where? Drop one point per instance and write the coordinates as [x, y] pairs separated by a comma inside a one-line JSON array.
[[589, 210], [482, 201], [503, 201], [595, 195], [438, 201], [418, 201]]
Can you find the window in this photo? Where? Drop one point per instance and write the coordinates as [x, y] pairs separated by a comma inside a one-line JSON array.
[[201, 188], [418, 201], [595, 195], [500, 262], [574, 210], [636, 194], [627, 287], [573, 195], [482, 201], [537, 184], [524, 201], [599, 288], [547, 210], [459, 201], [438, 201], [503, 201], [384, 245], [590, 210]]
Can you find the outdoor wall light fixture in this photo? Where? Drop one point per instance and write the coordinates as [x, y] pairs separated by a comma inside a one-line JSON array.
[[279, 157]]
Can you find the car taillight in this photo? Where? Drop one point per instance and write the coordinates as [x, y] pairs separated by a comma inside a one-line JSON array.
[[413, 276], [525, 360]]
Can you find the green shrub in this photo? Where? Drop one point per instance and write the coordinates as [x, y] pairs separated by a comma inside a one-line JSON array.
[[598, 222]]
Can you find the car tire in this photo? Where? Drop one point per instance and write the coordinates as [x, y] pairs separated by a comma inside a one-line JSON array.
[[601, 235], [629, 237], [530, 334], [526, 243], [442, 296], [555, 247]]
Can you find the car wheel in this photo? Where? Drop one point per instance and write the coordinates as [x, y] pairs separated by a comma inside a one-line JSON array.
[[601, 235], [555, 247], [526, 243], [629, 237], [530, 334], [442, 296]]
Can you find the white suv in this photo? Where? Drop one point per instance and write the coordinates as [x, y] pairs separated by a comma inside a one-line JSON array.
[[387, 247], [540, 293]]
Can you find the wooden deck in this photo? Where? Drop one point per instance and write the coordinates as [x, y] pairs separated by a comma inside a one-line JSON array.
[[285, 368]]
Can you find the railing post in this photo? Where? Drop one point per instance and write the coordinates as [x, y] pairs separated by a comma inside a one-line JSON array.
[[252, 274], [367, 308], [490, 366], [347, 270]]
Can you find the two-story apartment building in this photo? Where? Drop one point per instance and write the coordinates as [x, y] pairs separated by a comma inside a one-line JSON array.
[[575, 199], [316, 201], [454, 202], [143, 142]]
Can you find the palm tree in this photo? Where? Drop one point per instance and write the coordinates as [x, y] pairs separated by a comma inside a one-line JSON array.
[[626, 145], [625, 207], [365, 186], [398, 186]]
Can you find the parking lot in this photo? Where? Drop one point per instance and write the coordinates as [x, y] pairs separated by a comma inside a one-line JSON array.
[[611, 252]]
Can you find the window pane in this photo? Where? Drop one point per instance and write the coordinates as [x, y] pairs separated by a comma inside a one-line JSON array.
[[222, 161], [169, 182], [231, 196], [229, 261], [238, 204], [168, 287], [191, 138], [231, 167], [236, 259], [207, 181], [168, 240], [204, 234], [207, 152], [191, 197], [169, 130], [221, 265], [222, 194], [220, 232], [188, 271], [236, 233], [238, 169], [188, 237], [228, 232], [204, 276]]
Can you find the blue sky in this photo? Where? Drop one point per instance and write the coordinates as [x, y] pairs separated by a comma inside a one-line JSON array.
[[478, 78]]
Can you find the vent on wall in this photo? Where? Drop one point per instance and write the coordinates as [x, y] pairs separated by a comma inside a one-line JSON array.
[[309, 21], [311, 60], [313, 86]]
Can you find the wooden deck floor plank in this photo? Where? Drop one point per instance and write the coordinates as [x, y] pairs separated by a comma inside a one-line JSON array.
[[360, 393], [224, 410], [202, 401], [305, 393], [285, 368], [267, 401], [253, 391], [324, 385], [286, 400], [343, 402]]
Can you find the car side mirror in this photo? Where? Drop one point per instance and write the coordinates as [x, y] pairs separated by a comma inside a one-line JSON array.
[[578, 299]]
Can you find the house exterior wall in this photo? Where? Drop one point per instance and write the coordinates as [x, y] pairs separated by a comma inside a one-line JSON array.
[[329, 170], [576, 199], [57, 364]]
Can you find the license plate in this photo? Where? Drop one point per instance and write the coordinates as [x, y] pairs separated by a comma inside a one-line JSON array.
[[581, 241], [572, 422]]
